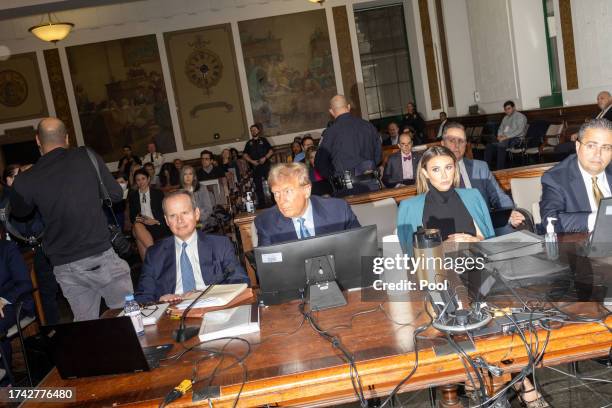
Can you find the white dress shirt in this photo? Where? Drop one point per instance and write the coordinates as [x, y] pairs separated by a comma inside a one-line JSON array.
[[156, 158], [145, 203], [407, 171], [308, 221], [604, 187], [194, 258]]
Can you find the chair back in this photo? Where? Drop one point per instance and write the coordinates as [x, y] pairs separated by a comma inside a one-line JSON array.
[[526, 193], [553, 134], [382, 213]]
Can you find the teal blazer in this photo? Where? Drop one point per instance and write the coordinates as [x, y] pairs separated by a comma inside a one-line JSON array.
[[410, 215]]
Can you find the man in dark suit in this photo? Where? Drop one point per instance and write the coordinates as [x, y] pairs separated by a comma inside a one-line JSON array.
[[401, 167], [572, 190], [189, 260], [15, 285], [297, 214], [476, 174], [393, 132]]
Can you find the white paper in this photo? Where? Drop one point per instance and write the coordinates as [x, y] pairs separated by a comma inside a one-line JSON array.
[[608, 209]]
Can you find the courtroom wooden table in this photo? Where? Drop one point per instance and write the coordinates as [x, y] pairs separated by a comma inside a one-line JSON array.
[[291, 365]]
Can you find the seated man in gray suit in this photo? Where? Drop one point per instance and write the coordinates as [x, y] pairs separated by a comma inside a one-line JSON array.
[[401, 168], [476, 174]]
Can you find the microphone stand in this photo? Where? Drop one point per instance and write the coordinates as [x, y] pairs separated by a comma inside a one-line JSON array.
[[185, 333]]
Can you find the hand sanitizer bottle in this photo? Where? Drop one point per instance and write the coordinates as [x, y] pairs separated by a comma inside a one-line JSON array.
[[550, 239]]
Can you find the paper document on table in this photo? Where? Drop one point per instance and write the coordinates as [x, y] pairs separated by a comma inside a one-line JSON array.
[[220, 295]]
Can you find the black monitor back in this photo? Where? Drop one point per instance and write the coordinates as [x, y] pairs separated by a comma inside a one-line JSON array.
[[97, 347], [281, 267]]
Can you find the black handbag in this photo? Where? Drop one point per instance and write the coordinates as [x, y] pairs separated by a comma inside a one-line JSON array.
[[120, 243]]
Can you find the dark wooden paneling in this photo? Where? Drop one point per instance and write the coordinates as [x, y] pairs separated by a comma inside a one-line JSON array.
[[569, 51], [345, 54], [58, 92], [430, 61]]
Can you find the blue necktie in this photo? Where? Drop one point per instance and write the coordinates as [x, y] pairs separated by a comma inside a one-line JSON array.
[[186, 271], [303, 230]]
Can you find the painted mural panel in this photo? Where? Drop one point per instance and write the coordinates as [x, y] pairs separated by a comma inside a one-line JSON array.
[[289, 70]]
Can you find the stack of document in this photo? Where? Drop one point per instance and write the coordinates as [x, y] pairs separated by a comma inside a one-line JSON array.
[[220, 295], [230, 322]]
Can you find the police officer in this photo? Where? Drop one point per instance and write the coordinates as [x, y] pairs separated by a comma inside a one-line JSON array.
[[257, 152], [349, 144]]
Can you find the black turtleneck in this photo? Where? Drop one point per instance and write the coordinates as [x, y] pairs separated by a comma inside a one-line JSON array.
[[445, 211]]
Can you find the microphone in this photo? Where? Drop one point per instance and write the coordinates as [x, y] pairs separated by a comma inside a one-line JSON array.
[[185, 333]]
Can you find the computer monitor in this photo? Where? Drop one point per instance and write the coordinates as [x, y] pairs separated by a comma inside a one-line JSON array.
[[281, 268], [600, 242]]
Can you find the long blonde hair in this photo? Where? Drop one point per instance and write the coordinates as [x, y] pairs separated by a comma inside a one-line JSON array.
[[434, 151]]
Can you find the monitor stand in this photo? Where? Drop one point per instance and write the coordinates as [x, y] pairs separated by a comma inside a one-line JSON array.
[[323, 290]]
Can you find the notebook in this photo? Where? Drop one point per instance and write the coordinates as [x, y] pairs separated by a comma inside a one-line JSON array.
[[219, 295], [232, 322]]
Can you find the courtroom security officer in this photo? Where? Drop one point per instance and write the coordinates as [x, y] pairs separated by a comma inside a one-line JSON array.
[[257, 151], [349, 144]]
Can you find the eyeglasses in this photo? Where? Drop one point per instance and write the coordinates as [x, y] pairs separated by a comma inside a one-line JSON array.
[[593, 147], [148, 310], [455, 141]]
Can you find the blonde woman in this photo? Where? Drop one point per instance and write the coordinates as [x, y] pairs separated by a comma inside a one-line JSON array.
[[190, 182]]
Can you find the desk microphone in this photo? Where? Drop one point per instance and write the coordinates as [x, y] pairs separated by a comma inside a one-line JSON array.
[[185, 333]]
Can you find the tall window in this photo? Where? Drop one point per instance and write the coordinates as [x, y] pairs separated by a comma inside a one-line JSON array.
[[385, 62]]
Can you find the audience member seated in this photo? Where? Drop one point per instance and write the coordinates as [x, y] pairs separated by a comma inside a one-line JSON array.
[[189, 260], [604, 102], [230, 167], [146, 214], [126, 162], [320, 185], [307, 142], [169, 177], [15, 285], [513, 127], [178, 164], [202, 198], [572, 189], [297, 214], [208, 171], [154, 157], [150, 169], [416, 122], [120, 206], [460, 214], [131, 181], [443, 120], [393, 133], [243, 166], [296, 149], [476, 174], [401, 167]]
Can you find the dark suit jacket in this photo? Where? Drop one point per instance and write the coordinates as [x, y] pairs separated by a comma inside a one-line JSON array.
[[156, 205], [329, 215], [565, 196], [14, 276], [483, 180], [216, 255], [393, 173]]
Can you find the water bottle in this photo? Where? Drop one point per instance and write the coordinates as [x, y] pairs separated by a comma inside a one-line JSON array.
[[132, 309], [550, 239], [250, 206]]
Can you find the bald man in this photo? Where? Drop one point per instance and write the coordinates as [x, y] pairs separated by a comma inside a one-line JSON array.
[[64, 187], [604, 102], [349, 144]]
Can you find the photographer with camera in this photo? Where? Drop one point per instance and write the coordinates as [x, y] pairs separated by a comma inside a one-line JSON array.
[[63, 186]]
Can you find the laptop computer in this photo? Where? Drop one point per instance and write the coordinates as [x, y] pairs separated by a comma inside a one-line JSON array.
[[599, 243], [101, 347]]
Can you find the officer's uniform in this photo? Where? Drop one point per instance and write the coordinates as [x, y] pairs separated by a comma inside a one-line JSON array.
[[256, 149]]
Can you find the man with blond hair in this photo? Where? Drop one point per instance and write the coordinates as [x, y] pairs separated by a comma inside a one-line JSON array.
[[297, 214], [350, 144]]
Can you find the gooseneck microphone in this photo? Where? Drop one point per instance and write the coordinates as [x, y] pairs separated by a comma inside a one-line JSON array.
[[185, 333]]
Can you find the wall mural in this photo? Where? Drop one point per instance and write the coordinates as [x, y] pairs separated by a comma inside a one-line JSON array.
[[121, 96], [289, 70], [206, 85], [21, 92]]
